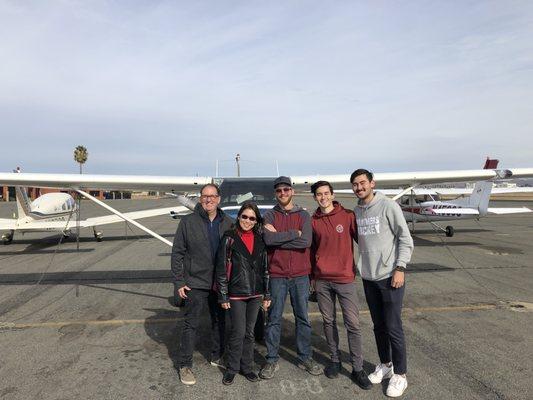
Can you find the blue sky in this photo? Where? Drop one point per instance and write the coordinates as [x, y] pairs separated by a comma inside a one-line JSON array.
[[168, 87]]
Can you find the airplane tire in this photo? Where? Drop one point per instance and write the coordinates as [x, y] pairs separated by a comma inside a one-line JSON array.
[[7, 239], [449, 231]]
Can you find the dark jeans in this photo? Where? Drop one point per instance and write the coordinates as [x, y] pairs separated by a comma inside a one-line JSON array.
[[194, 305], [298, 290], [240, 354], [327, 293], [385, 304]]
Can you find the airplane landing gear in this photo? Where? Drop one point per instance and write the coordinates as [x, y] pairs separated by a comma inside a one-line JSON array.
[[7, 238], [449, 231], [66, 235], [98, 235]]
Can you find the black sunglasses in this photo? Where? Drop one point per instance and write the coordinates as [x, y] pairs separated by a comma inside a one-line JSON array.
[[245, 217]]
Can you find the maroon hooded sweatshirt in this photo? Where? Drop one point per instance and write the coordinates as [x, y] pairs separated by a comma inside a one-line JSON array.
[[332, 255], [288, 252]]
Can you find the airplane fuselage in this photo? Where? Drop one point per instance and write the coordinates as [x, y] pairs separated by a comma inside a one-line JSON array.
[[49, 207], [425, 212]]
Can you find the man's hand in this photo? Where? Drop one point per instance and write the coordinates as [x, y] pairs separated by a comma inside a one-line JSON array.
[[181, 291], [226, 306], [270, 227], [313, 285], [266, 304], [398, 279]]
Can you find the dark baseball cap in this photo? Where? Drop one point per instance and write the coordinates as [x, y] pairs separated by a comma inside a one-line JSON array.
[[282, 180]]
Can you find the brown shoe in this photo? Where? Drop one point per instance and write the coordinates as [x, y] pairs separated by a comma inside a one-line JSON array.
[[186, 376]]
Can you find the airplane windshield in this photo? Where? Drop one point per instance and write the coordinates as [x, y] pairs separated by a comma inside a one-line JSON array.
[[235, 191]]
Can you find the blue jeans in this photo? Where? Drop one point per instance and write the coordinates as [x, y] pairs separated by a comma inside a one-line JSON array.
[[298, 289]]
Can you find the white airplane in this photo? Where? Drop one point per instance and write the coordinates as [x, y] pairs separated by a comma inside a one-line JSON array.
[[473, 206], [406, 181], [58, 212]]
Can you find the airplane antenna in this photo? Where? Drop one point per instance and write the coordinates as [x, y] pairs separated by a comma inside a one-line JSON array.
[[237, 159], [277, 168]]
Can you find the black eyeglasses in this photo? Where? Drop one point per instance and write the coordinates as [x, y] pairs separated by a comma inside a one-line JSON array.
[[245, 217], [283, 189]]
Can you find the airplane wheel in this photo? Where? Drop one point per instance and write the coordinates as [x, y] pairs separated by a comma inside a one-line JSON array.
[[99, 236], [449, 231], [7, 239]]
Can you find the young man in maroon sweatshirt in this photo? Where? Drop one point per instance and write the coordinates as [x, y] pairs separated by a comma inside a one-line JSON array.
[[333, 274]]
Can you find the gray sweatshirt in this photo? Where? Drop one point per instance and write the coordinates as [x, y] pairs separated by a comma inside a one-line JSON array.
[[384, 239]]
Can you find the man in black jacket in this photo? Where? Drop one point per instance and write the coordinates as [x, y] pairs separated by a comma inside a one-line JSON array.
[[192, 261]]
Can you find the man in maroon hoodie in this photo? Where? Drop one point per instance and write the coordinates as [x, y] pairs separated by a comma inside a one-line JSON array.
[[333, 273]]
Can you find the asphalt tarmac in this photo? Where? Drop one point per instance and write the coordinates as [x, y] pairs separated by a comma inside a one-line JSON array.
[[99, 323]]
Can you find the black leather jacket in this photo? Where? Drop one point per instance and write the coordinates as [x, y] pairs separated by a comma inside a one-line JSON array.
[[249, 272]]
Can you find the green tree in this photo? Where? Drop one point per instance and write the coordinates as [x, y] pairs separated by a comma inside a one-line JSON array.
[[80, 155]]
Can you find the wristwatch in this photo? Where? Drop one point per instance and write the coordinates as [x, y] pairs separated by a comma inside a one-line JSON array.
[[401, 269]]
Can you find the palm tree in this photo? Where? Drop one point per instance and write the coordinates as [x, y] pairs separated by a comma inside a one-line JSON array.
[[80, 155]]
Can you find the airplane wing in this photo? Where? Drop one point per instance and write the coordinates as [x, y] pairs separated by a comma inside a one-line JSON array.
[[448, 191], [508, 210], [7, 224], [187, 184], [404, 179], [105, 182], [90, 222]]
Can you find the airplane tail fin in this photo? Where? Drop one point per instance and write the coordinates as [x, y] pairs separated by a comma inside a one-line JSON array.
[[23, 202], [479, 199], [491, 164]]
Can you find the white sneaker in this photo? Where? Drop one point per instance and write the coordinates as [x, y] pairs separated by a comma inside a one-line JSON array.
[[397, 386], [381, 372]]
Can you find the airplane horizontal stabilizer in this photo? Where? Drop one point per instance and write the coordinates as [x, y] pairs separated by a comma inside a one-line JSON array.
[[509, 210], [110, 219], [455, 211]]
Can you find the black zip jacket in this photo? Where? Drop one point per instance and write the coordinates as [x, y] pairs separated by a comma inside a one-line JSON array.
[[249, 272], [192, 262]]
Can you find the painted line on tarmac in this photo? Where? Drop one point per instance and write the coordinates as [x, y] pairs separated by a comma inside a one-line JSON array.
[[5, 326]]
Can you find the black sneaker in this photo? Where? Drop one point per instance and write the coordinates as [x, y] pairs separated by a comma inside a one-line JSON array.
[[228, 378], [332, 370], [251, 376], [361, 379]]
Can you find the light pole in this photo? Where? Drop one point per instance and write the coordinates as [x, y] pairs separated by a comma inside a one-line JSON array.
[[237, 159]]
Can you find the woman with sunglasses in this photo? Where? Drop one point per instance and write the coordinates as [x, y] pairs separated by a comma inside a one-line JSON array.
[[243, 280]]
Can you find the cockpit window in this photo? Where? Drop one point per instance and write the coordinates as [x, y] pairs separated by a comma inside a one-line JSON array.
[[234, 191]]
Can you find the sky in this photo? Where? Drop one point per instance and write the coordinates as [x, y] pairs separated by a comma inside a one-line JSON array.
[[169, 87]]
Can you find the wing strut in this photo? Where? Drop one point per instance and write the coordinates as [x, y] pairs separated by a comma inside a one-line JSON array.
[[403, 192], [124, 217]]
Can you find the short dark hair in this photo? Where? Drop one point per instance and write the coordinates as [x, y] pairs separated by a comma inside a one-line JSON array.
[[316, 185], [212, 185], [362, 171]]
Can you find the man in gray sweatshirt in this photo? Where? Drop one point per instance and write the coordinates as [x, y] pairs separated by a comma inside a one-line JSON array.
[[385, 248]]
